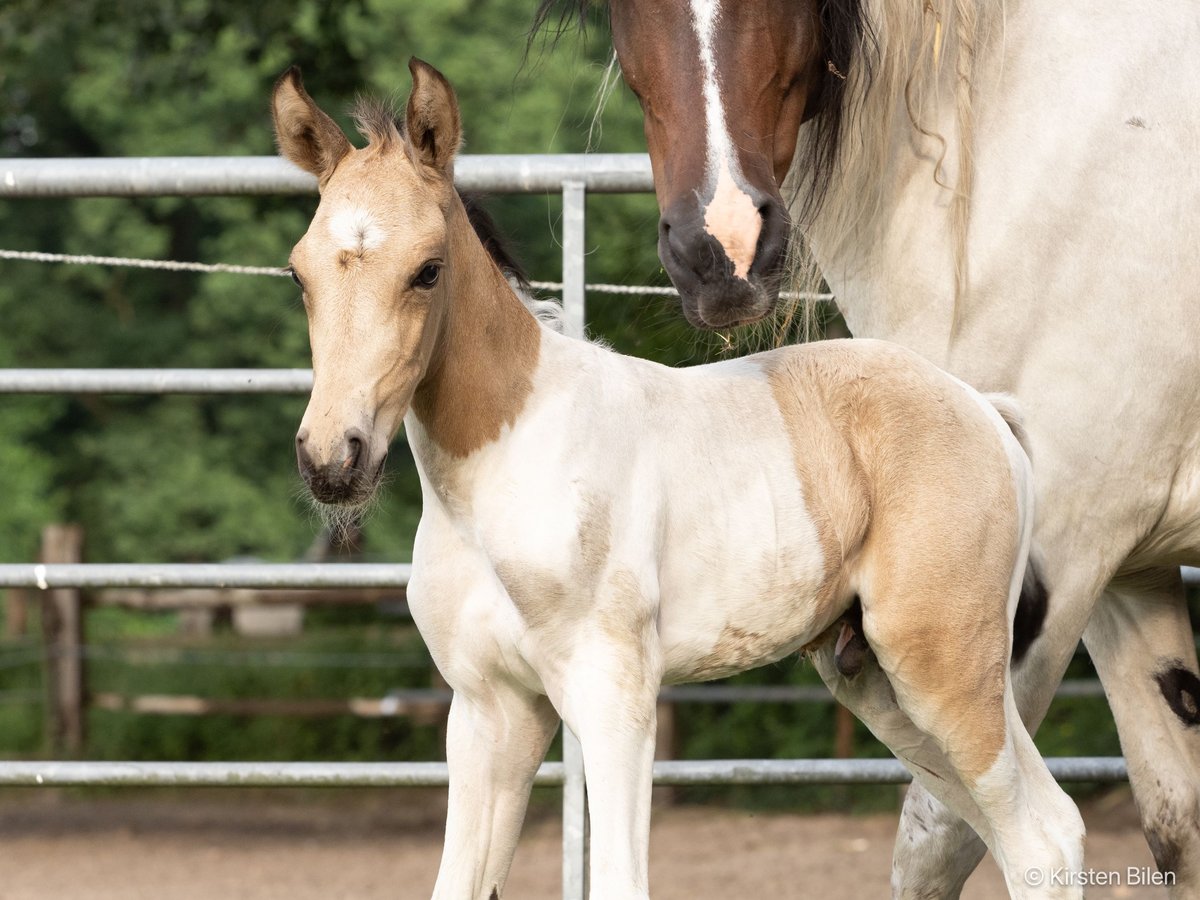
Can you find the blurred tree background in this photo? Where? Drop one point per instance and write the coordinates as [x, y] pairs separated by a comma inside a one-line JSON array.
[[181, 479], [209, 478], [189, 479]]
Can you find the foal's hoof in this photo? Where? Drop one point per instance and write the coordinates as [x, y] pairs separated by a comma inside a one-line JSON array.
[[850, 652]]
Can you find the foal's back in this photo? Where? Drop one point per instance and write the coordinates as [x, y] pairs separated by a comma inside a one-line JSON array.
[[758, 496]]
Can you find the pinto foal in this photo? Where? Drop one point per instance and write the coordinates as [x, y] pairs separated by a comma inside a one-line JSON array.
[[595, 525]]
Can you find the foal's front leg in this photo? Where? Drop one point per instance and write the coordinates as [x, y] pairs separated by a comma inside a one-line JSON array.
[[609, 702], [496, 738]]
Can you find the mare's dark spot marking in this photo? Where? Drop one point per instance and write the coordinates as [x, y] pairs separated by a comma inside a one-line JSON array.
[[495, 894], [1136, 122], [1181, 689], [1030, 617], [1164, 850]]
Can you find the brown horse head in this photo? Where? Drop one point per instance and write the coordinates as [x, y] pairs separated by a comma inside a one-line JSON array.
[[724, 86], [369, 267]]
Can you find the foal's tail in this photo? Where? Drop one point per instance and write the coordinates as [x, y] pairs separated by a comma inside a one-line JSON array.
[[1035, 600], [1010, 412]]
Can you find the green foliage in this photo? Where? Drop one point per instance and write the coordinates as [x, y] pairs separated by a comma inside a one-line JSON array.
[[207, 478], [217, 668]]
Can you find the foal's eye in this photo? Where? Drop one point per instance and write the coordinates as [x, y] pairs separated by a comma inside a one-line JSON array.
[[296, 278], [428, 276]]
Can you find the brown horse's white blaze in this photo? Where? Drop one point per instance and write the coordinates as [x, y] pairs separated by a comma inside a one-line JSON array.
[[594, 525], [724, 226]]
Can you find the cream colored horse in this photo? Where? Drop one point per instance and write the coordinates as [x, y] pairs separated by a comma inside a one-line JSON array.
[[596, 525], [1012, 189]]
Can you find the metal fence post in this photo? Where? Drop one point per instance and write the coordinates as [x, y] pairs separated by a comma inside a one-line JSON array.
[[575, 836], [573, 254]]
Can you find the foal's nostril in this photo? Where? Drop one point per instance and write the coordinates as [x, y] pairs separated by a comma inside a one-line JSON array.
[[303, 460], [356, 443]]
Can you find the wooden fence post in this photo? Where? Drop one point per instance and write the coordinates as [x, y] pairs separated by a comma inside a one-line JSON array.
[[16, 612], [62, 642], [665, 747], [843, 739]]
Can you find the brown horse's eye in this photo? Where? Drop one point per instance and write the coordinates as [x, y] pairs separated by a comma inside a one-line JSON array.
[[428, 276]]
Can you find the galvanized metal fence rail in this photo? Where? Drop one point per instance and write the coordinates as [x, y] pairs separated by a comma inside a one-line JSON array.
[[572, 175], [434, 774]]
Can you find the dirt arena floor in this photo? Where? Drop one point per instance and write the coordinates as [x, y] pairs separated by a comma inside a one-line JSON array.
[[361, 846]]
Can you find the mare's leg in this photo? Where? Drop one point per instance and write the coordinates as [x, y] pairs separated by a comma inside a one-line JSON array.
[[1144, 649], [610, 694], [496, 738], [936, 850]]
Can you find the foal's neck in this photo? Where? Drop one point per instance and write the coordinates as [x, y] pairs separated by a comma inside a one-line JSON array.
[[481, 370]]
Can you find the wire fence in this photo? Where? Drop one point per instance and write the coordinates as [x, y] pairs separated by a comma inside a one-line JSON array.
[[172, 265]]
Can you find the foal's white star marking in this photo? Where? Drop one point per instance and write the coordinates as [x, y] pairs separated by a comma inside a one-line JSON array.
[[354, 229]]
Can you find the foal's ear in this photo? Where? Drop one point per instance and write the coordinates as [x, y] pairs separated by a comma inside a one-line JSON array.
[[306, 135], [433, 124]]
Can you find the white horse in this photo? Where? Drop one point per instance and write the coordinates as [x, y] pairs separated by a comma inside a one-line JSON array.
[[1012, 189], [596, 525]]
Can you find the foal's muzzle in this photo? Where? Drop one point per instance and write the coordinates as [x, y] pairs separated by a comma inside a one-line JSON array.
[[347, 475]]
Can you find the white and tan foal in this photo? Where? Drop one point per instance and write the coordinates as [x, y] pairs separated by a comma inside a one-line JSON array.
[[596, 525]]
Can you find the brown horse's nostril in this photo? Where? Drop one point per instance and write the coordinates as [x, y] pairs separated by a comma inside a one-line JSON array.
[[772, 240]]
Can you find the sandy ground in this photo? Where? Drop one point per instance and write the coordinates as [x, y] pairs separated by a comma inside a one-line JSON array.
[[186, 846]]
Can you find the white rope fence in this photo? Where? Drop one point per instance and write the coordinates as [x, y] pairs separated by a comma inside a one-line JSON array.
[[230, 269], [126, 262]]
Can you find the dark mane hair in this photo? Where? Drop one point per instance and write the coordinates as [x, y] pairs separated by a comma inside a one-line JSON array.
[[556, 18], [493, 239], [847, 43]]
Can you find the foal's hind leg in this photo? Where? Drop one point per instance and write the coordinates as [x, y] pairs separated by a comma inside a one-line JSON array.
[[936, 851], [943, 645], [1143, 646]]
